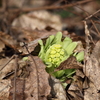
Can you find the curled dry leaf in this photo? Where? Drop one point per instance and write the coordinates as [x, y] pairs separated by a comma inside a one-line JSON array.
[[37, 85]]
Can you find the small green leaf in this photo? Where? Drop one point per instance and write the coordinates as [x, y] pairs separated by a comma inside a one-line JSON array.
[[25, 58], [62, 79], [70, 48], [41, 53], [49, 69], [69, 72], [65, 58], [57, 39], [64, 85], [66, 42], [48, 64], [59, 74], [48, 42], [46, 55], [80, 56]]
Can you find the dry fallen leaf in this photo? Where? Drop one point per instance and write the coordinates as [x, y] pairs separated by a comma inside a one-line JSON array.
[[4, 89], [91, 93], [39, 20], [43, 34], [75, 89], [70, 63], [8, 68], [92, 66], [37, 85], [19, 93], [57, 89], [92, 71]]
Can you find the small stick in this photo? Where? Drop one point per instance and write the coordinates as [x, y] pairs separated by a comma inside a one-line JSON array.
[[7, 62], [95, 27], [16, 67], [92, 14], [35, 68]]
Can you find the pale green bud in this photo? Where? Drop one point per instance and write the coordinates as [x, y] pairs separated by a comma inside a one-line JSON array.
[[52, 56], [56, 54], [58, 50], [53, 52], [61, 57], [57, 46], [49, 59], [62, 52]]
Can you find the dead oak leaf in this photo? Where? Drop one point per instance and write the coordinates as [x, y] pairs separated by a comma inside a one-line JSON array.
[[70, 63], [92, 69], [92, 66], [37, 85], [19, 93], [91, 93], [4, 89]]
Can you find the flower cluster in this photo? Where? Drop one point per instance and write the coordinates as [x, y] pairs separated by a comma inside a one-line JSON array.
[[56, 54]]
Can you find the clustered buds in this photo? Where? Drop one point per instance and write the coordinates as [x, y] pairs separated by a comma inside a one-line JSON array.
[[56, 54]]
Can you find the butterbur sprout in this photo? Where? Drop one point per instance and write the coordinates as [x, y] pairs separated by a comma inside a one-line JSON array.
[[56, 51]]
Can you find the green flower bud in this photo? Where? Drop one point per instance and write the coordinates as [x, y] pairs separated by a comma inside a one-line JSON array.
[[56, 54], [61, 52], [57, 46], [58, 50], [53, 52], [52, 56], [49, 59]]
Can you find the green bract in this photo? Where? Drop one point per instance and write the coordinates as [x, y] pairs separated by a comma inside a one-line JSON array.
[[56, 51]]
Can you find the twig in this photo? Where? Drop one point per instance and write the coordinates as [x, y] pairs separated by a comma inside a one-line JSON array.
[[95, 27], [16, 67], [87, 52], [97, 22], [87, 33], [49, 7], [87, 13], [92, 14], [4, 88], [35, 68], [7, 62]]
